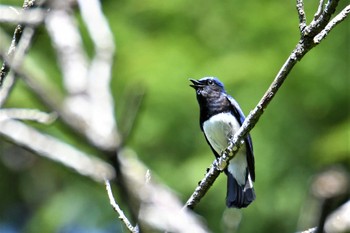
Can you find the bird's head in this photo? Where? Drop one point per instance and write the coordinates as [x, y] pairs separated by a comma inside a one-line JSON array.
[[208, 87]]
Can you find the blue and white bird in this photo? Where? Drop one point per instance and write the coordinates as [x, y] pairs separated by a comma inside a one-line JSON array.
[[220, 118]]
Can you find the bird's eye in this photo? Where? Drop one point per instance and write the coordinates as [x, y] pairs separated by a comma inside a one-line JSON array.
[[210, 82]]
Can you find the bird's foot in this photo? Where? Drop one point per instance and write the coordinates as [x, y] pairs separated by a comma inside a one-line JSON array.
[[228, 151], [221, 165], [231, 149]]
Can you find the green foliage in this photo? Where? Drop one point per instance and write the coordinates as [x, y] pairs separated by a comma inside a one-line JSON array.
[[162, 44]]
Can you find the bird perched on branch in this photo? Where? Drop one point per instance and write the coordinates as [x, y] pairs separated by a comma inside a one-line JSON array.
[[220, 119]]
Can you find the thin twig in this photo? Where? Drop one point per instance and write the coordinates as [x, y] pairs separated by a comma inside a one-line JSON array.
[[99, 75], [117, 209], [7, 88], [302, 16], [53, 99], [319, 9], [319, 23], [334, 22], [22, 47], [27, 114], [18, 16], [15, 60], [5, 67], [54, 149], [159, 209], [16, 38]]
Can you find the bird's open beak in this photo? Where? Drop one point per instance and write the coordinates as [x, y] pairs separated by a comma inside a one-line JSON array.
[[196, 84]]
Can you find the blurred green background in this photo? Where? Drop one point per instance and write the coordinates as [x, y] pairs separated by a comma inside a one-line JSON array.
[[160, 45]]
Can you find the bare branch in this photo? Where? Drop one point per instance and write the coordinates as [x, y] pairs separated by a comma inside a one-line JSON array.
[[66, 39], [16, 52], [89, 98], [50, 96], [318, 24], [334, 22], [7, 88], [116, 207], [303, 46], [56, 150], [203, 186], [159, 208], [23, 45], [15, 60], [27, 114], [302, 16], [18, 16], [16, 38], [103, 122], [319, 9]]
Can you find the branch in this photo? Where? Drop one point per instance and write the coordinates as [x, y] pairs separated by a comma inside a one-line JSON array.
[[88, 108], [7, 88], [56, 150], [318, 23], [334, 22], [116, 207], [159, 209], [302, 16], [27, 114], [319, 9], [65, 36], [81, 117], [17, 15], [89, 98], [304, 45], [13, 47], [14, 60]]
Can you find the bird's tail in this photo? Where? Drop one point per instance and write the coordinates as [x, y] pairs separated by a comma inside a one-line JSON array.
[[239, 196]]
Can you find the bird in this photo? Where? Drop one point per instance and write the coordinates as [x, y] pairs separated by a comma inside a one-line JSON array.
[[220, 118]]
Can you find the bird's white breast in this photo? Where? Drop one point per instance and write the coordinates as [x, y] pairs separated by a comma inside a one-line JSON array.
[[219, 129]]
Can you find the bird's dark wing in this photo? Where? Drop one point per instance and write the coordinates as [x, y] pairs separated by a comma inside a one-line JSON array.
[[238, 113], [236, 109], [250, 157]]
